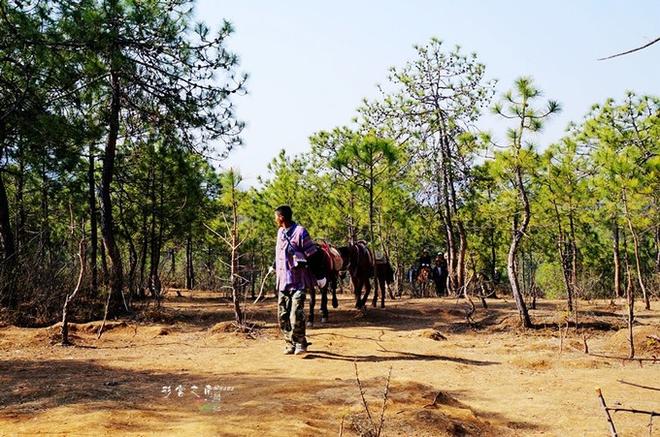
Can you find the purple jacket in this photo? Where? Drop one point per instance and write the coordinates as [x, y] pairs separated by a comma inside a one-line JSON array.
[[294, 245]]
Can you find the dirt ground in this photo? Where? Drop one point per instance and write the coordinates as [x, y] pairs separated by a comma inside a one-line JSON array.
[[179, 370]]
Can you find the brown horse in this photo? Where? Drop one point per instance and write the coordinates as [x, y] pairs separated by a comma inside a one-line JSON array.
[[423, 281], [361, 265], [327, 262]]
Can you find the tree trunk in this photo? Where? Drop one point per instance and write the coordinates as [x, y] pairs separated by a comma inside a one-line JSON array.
[[445, 214], [117, 304], [154, 279], [493, 254], [45, 222], [657, 249], [104, 264], [462, 250], [617, 259], [574, 255], [93, 226], [235, 243], [190, 272], [513, 249], [523, 272], [20, 205], [457, 249], [630, 298], [563, 257], [7, 237], [371, 204], [5, 225], [638, 265], [143, 252], [132, 252], [352, 226]]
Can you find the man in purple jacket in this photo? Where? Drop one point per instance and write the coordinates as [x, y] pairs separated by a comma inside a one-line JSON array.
[[293, 248]]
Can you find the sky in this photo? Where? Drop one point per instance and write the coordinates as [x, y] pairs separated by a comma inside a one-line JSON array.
[[310, 63]]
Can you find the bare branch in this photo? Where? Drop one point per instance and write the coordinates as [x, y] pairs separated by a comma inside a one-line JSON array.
[[632, 51]]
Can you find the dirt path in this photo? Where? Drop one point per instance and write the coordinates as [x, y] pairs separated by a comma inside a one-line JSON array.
[[492, 379]]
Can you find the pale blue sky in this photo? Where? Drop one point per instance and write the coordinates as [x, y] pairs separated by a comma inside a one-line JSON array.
[[311, 62]]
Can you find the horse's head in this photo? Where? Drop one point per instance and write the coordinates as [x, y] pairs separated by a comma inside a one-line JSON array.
[[347, 255]]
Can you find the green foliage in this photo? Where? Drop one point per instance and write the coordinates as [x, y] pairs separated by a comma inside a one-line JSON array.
[[411, 172], [549, 279]]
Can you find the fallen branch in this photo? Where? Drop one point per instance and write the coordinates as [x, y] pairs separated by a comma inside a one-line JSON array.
[[634, 410], [638, 385], [607, 410], [653, 360], [610, 422]]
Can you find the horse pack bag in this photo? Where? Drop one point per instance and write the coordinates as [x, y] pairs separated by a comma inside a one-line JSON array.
[[299, 259]]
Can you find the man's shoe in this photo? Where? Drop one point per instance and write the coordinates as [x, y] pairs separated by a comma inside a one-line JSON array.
[[289, 349], [301, 348]]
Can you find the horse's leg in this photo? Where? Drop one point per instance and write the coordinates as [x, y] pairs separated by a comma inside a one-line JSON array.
[[389, 289], [382, 292], [312, 303], [375, 301], [324, 304], [357, 290], [333, 287], [367, 290]]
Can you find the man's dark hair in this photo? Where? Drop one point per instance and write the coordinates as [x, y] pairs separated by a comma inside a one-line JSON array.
[[285, 211]]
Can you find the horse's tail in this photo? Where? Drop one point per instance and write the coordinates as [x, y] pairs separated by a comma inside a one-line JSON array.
[[371, 259], [389, 272]]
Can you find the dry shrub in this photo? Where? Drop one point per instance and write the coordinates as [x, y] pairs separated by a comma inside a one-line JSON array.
[[532, 363], [432, 334], [249, 329], [40, 288], [89, 327]]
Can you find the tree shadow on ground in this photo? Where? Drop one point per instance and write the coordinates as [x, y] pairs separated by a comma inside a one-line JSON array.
[[124, 400]]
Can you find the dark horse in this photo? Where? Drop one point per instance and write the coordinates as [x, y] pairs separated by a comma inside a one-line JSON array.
[[385, 278], [327, 262], [361, 265]]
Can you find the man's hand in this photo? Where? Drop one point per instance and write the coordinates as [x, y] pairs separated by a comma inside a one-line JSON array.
[[321, 282]]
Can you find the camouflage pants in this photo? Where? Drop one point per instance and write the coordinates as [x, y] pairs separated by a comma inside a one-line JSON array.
[[291, 314]]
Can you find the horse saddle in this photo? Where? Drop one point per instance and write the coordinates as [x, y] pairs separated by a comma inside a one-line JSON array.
[[334, 257], [380, 257]]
